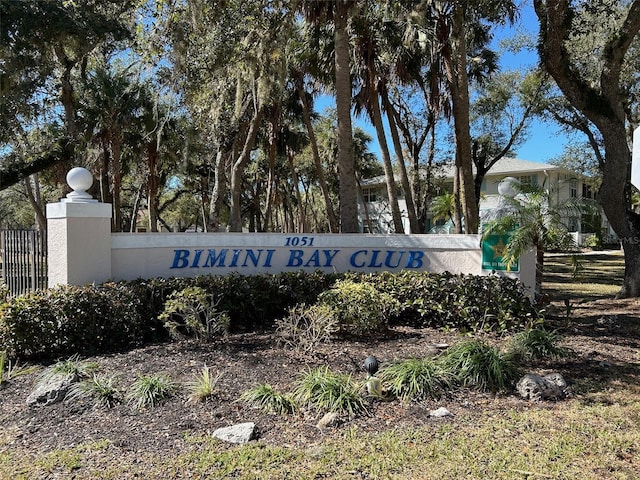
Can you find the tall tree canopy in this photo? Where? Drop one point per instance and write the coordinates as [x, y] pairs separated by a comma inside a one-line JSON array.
[[592, 80]]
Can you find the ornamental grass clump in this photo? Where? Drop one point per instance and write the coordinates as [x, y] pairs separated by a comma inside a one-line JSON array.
[[99, 388], [474, 363], [269, 400], [72, 368], [323, 390], [536, 344], [150, 390], [203, 387], [417, 379]]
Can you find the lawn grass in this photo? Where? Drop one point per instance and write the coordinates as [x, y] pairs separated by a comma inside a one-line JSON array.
[[584, 277], [586, 440], [594, 436]]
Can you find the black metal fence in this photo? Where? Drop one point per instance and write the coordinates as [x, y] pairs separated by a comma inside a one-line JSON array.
[[24, 260]]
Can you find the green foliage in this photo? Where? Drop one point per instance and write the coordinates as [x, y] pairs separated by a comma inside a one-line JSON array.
[[3, 360], [417, 379], [150, 390], [92, 319], [73, 368], [360, 307], [100, 388], [536, 344], [323, 390], [558, 239], [203, 387], [476, 364], [593, 242], [192, 312], [72, 320], [462, 302], [267, 399], [307, 326]]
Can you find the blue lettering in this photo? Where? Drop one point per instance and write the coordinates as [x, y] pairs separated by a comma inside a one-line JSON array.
[[373, 264], [415, 259], [180, 258], [250, 255], [329, 255], [315, 259], [234, 260], [352, 260], [267, 262], [295, 258], [212, 258], [387, 261], [196, 259]]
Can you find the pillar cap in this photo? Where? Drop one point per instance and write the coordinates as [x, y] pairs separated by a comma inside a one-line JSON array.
[[80, 180]]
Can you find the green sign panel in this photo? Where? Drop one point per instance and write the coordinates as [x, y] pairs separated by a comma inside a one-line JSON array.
[[493, 248]]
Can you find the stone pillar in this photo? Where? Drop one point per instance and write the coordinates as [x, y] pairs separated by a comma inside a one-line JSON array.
[[78, 235]]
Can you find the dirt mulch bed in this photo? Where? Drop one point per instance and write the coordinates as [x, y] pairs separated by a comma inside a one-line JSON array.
[[604, 337]]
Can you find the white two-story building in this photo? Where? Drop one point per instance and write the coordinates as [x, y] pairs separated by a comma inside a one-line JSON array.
[[561, 183]]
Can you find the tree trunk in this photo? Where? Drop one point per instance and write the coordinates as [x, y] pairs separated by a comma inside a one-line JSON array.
[[116, 178], [386, 163], [237, 171], [346, 169], [331, 216], [604, 106], [154, 184], [219, 191], [302, 221], [404, 177], [457, 74], [35, 199]]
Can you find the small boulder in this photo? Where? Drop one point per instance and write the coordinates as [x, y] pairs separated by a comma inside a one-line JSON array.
[[537, 388], [239, 433], [440, 413], [51, 391], [329, 420]]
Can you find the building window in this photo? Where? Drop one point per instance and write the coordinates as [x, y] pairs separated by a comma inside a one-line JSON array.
[[369, 195], [587, 191], [573, 189], [528, 179]]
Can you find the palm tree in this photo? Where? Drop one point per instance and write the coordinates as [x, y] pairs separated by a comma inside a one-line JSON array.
[[338, 12], [526, 215]]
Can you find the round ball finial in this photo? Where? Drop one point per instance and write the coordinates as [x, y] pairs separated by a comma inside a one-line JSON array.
[[80, 180], [506, 187]]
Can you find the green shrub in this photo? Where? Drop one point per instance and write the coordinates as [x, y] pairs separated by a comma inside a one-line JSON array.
[[416, 379], [360, 308], [305, 327], [536, 344], [71, 320], [558, 239], [476, 364], [192, 312], [269, 400], [323, 390], [467, 303]]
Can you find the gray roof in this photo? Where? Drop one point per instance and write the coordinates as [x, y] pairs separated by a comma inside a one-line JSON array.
[[504, 166]]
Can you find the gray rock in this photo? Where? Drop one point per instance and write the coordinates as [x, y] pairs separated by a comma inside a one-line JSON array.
[[239, 433], [329, 420], [536, 388], [51, 391], [440, 412]]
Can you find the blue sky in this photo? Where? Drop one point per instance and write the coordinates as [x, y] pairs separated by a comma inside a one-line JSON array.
[[544, 141]]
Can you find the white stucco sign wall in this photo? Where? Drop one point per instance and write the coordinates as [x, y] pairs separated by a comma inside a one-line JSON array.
[[83, 250]]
